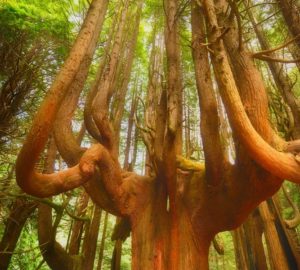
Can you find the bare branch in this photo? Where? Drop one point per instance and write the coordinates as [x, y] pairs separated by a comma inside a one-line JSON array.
[[272, 59], [265, 52]]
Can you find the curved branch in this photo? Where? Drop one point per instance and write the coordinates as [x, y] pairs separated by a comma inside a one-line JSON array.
[[100, 105], [283, 165], [69, 146], [45, 185], [66, 142], [127, 66], [88, 119], [27, 178], [209, 120]]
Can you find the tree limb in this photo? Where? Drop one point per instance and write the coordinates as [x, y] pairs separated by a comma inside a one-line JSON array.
[[264, 52], [44, 185]]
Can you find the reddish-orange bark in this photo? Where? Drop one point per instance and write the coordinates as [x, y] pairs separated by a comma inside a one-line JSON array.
[[175, 213]]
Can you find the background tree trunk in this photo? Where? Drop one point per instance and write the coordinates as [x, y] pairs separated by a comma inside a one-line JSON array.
[[20, 212]]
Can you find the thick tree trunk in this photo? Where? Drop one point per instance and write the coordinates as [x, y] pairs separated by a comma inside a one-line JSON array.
[[249, 251], [151, 237]]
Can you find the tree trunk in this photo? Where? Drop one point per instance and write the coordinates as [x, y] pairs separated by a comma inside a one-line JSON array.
[[77, 227], [291, 15], [53, 253], [90, 242], [253, 231], [151, 237], [277, 256], [120, 97], [100, 106], [102, 244], [20, 212], [212, 146], [117, 254], [288, 237], [241, 258]]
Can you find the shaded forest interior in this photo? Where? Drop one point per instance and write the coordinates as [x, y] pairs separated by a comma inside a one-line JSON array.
[[149, 134]]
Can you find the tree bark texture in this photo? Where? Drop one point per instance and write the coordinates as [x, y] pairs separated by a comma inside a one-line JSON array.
[[291, 14], [175, 212]]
